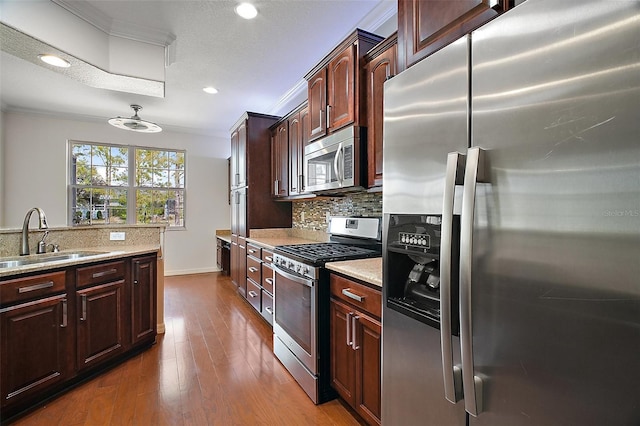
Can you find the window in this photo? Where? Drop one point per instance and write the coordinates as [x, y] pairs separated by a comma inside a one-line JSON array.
[[115, 184]]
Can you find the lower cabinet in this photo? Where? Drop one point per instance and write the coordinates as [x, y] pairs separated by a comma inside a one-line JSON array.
[[57, 328], [356, 346], [260, 280], [36, 339]]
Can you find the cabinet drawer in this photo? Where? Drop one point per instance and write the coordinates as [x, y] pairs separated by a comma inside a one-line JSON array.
[[267, 307], [267, 277], [267, 256], [254, 269], [96, 274], [253, 294], [32, 287], [357, 294], [254, 250]]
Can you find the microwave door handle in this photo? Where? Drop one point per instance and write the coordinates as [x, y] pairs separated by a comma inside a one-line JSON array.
[[336, 159], [452, 374], [471, 383]]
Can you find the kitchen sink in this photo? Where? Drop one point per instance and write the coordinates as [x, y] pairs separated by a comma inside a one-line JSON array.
[[15, 262]]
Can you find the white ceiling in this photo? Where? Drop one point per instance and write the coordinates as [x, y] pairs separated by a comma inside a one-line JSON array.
[[256, 65]]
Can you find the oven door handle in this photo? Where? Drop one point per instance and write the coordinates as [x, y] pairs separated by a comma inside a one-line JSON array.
[[304, 281]]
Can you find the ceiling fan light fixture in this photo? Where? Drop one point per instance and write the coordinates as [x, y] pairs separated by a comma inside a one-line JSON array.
[[54, 60], [246, 10], [135, 123]]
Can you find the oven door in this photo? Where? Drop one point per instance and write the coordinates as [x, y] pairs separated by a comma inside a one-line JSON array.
[[295, 320]]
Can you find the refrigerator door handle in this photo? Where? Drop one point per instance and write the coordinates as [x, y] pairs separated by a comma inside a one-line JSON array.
[[452, 375], [472, 384]]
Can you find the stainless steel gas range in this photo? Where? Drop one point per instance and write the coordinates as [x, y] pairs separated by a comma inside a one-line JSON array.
[[301, 299]]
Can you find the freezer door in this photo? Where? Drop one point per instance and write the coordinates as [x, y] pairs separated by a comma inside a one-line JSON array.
[[555, 299], [412, 383], [425, 118]]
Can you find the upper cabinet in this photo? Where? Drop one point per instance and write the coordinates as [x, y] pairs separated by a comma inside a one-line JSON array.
[[425, 26], [336, 86], [238, 173], [280, 159], [298, 138], [381, 64]]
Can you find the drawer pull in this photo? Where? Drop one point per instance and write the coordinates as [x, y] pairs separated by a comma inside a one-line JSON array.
[[35, 287], [103, 273], [253, 269], [251, 251], [269, 310], [347, 292], [269, 281], [268, 258], [253, 294]]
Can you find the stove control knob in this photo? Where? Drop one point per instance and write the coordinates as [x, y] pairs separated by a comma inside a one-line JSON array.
[[305, 270], [298, 267], [290, 265]]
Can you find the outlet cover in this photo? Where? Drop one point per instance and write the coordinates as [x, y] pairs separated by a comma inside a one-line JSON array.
[[116, 236]]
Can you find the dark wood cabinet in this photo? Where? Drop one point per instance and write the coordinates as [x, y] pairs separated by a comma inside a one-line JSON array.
[[336, 90], [425, 26], [143, 299], [280, 159], [60, 327], [252, 205], [101, 313], [36, 340], [381, 65], [298, 128], [239, 156], [356, 345]]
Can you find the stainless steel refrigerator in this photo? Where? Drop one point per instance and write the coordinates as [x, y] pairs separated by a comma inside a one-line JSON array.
[[511, 203]]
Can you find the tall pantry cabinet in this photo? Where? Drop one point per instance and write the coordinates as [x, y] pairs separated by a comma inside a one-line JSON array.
[[252, 206]]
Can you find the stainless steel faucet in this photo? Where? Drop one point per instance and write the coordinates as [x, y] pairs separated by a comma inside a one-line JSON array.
[[24, 249]]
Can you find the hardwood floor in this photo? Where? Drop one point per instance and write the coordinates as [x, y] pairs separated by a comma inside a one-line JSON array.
[[213, 366]]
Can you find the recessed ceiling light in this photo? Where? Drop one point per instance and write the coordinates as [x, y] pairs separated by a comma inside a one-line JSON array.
[[56, 61], [211, 90], [246, 11]]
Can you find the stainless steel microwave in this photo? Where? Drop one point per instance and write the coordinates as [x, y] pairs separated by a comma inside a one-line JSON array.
[[333, 163]]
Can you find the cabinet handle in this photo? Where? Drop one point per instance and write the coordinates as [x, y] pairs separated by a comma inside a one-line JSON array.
[[253, 294], [269, 280], [268, 258], [300, 183], [35, 287], [348, 322], [251, 251], [103, 273], [275, 187], [253, 269], [322, 115], [354, 344], [84, 308], [347, 292], [237, 177], [64, 313], [135, 281], [328, 115], [269, 310]]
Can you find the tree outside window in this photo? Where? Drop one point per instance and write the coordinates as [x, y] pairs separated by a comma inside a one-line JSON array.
[[126, 185]]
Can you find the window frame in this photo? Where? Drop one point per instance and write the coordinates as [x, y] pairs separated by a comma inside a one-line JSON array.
[[131, 187]]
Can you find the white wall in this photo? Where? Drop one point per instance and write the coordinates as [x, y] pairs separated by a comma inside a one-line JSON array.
[[35, 174]]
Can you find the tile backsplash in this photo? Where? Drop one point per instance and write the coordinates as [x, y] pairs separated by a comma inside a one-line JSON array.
[[312, 215]]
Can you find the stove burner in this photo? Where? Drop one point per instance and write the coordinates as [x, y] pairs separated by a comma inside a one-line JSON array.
[[327, 252]]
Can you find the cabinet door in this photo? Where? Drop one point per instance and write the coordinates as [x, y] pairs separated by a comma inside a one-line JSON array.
[[233, 160], [241, 212], [99, 323], [296, 153], [34, 346], [280, 160], [234, 265], [317, 105], [242, 155], [425, 26], [368, 367], [378, 71], [242, 266], [343, 379], [340, 89], [143, 299]]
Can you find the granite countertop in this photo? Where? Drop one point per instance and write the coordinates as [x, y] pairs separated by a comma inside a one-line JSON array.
[[226, 238], [272, 241], [105, 253], [367, 270]]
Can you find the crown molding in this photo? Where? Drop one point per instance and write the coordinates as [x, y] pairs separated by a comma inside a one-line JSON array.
[[114, 27]]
